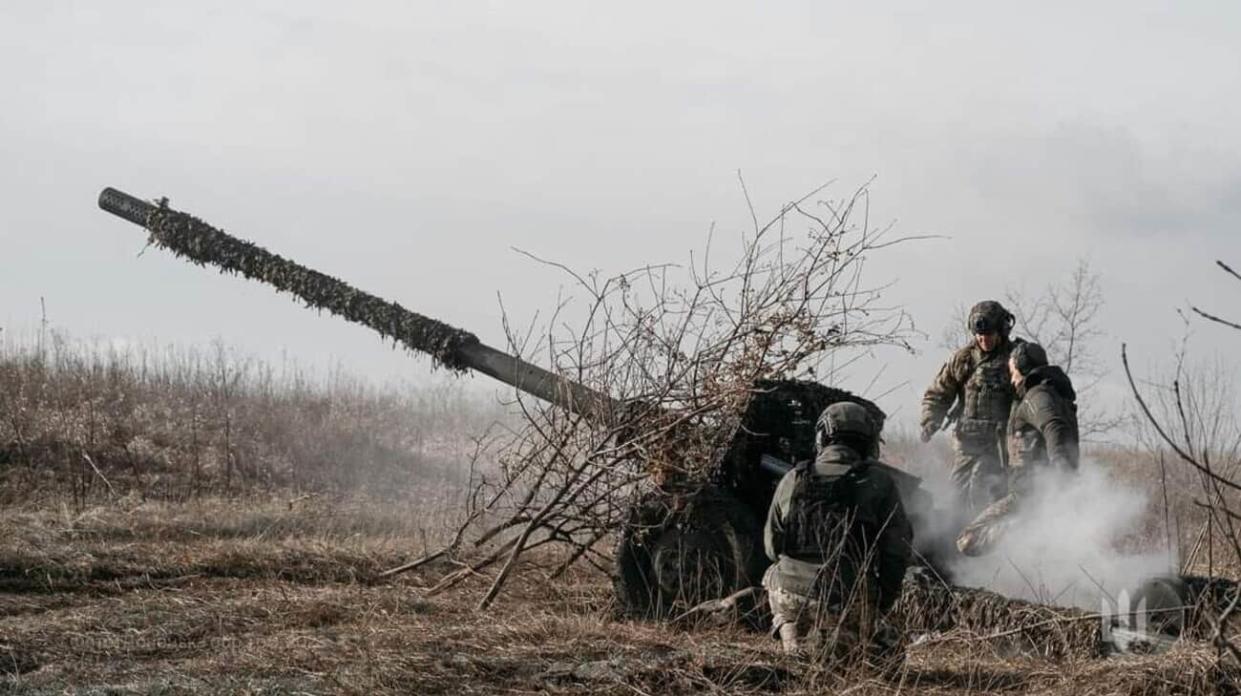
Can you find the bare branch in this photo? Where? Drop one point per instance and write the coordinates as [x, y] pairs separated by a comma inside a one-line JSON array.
[[681, 347], [1228, 269], [1187, 458], [1216, 319]]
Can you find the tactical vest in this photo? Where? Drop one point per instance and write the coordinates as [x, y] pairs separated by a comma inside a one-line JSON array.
[[823, 520], [987, 395]]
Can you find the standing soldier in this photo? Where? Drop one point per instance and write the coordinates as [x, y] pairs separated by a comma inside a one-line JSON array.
[[839, 540], [973, 389], [1042, 436]]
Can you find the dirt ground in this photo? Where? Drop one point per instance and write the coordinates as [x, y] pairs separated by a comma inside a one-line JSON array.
[[281, 597]]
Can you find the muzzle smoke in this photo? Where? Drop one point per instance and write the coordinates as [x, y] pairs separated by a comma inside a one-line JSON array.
[[1062, 547]]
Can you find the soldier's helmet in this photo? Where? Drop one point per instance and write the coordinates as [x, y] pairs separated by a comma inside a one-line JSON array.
[[845, 418], [1027, 356], [990, 316]]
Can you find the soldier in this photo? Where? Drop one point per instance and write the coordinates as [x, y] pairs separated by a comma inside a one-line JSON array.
[[1042, 436], [1042, 431], [839, 540], [976, 379]]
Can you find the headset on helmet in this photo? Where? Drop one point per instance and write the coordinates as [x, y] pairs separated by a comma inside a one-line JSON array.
[[990, 316]]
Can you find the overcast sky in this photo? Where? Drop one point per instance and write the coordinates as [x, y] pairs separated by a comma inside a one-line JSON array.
[[407, 146]]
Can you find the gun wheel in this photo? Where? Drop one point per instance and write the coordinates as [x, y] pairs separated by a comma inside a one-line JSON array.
[[677, 552], [1162, 606]]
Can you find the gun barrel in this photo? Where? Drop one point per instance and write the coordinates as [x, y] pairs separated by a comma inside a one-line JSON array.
[[125, 206], [194, 240], [774, 466]]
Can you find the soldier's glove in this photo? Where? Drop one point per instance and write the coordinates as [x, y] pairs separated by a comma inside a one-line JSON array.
[[928, 430]]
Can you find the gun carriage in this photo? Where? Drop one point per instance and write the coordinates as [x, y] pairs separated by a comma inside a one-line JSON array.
[[681, 545]]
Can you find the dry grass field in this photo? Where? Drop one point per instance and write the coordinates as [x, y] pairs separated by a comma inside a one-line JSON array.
[[274, 596], [200, 525]]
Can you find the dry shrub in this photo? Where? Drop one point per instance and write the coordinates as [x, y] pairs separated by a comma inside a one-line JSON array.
[[1189, 418], [675, 355], [96, 424]]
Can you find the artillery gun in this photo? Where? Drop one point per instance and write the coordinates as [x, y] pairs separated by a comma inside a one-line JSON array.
[[681, 545]]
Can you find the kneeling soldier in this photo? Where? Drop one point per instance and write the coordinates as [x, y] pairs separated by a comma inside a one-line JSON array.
[[837, 534]]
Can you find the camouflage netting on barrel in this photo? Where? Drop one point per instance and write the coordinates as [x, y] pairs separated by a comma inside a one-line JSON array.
[[929, 606], [192, 239]]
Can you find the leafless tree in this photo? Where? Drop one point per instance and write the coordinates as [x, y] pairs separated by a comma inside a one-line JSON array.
[[1064, 319], [679, 350]]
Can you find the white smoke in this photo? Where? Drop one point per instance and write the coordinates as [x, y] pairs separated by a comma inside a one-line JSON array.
[[1063, 547]]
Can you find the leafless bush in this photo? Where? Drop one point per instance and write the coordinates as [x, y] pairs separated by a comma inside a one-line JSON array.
[[100, 422], [1192, 418], [679, 350]]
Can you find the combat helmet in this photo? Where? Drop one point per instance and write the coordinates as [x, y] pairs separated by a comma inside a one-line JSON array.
[[988, 316], [845, 418]]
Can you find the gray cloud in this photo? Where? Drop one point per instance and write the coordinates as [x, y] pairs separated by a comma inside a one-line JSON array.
[[407, 146]]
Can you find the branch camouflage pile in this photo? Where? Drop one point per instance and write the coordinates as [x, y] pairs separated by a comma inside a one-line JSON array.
[[929, 606], [190, 238]]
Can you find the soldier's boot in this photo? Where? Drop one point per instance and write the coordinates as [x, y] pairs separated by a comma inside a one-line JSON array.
[[790, 639], [887, 650]]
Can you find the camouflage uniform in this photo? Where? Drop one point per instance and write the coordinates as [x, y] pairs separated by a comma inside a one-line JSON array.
[[1042, 434], [839, 541], [984, 532], [978, 384], [839, 632]]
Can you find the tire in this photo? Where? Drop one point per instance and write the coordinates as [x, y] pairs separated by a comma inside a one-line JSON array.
[[679, 550], [1161, 605]]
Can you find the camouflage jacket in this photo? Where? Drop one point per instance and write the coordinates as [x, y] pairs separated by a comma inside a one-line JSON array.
[[878, 506], [1042, 430], [978, 384]]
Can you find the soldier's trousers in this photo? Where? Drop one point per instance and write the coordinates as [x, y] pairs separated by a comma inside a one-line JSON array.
[[807, 625], [978, 472]]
